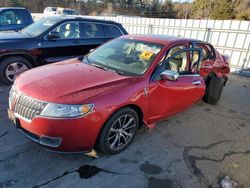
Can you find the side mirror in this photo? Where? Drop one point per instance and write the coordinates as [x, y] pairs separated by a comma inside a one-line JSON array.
[[169, 75], [53, 35]]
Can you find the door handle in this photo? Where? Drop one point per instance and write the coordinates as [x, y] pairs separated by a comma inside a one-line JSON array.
[[197, 82], [77, 42]]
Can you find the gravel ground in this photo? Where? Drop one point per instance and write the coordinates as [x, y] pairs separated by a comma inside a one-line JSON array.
[[192, 149]]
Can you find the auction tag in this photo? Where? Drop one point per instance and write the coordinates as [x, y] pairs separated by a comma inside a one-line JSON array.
[[146, 55]]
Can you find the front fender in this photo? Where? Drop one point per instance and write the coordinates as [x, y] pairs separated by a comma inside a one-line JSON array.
[[22, 54]]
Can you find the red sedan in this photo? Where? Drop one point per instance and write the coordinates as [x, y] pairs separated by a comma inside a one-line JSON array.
[[103, 98]]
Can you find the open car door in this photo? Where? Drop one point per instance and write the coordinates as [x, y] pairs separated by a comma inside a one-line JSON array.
[[175, 86]]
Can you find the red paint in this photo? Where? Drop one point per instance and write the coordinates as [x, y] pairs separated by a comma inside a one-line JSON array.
[[220, 66], [73, 82]]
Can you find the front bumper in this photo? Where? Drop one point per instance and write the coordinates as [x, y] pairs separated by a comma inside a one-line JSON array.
[[65, 135], [52, 142]]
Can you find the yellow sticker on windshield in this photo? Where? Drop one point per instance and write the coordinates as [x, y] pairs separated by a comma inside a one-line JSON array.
[[146, 55]]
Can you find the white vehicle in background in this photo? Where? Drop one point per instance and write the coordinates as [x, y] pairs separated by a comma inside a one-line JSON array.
[[52, 11]]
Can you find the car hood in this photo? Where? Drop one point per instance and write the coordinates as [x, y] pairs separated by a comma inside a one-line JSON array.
[[69, 82], [12, 35]]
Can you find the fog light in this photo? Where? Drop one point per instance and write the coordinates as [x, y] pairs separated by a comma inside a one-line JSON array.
[[50, 141]]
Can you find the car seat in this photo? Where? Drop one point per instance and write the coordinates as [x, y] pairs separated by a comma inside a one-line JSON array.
[[89, 31], [71, 31], [176, 63]]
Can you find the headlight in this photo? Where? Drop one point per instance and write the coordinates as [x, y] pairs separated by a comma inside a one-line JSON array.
[[12, 96], [66, 111]]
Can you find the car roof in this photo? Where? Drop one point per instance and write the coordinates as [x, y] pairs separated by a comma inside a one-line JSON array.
[[17, 8], [80, 18], [161, 39]]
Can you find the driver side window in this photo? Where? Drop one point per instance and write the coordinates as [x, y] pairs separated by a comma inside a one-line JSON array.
[[177, 61], [69, 30]]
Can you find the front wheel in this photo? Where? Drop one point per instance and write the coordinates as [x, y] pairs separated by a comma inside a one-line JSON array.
[[119, 131], [11, 67]]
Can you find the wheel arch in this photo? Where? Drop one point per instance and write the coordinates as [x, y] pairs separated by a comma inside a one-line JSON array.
[[211, 75], [23, 55], [139, 112], [135, 107]]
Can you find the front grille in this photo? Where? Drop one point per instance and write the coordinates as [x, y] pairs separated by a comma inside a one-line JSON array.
[[28, 108]]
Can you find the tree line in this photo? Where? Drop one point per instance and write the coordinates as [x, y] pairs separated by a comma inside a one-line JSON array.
[[196, 9]]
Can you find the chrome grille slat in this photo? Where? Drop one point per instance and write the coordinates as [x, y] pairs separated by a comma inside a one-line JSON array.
[[17, 106], [22, 110], [25, 111], [28, 108], [33, 112], [29, 113]]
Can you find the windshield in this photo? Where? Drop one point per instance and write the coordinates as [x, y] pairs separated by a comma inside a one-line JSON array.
[[131, 57], [40, 26]]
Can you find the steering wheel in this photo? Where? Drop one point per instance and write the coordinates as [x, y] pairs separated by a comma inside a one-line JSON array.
[[131, 59]]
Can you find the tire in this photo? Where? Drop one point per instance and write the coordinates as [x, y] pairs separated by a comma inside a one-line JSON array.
[[214, 90], [11, 67], [113, 139]]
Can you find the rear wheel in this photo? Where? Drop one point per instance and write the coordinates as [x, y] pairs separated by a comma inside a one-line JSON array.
[[119, 131], [11, 67], [214, 90]]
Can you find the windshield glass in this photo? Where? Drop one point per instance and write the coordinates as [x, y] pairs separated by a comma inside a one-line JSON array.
[[40, 26], [131, 57]]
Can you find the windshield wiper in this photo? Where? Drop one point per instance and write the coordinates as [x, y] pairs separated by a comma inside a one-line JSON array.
[[121, 72], [109, 69], [99, 66]]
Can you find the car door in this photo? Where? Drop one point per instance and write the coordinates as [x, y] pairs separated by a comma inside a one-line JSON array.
[[67, 45], [168, 97]]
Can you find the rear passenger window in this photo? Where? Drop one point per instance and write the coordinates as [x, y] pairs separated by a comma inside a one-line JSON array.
[[194, 60], [207, 51], [93, 30], [112, 31]]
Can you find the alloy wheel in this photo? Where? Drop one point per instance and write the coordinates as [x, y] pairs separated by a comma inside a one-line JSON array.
[[121, 132], [14, 69]]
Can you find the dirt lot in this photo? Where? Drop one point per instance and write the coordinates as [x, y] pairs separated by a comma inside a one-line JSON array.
[[193, 149]]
